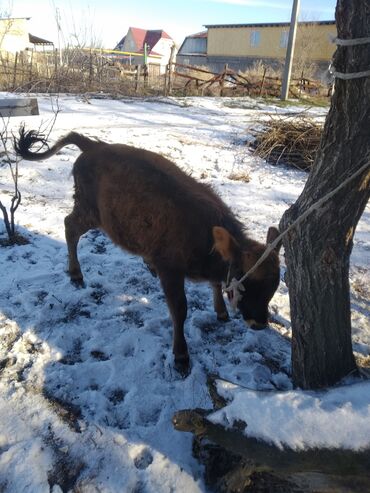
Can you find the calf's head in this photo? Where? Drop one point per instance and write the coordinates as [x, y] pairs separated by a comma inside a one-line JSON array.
[[257, 289]]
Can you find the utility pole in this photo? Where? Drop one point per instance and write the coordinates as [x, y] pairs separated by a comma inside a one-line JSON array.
[[290, 51]]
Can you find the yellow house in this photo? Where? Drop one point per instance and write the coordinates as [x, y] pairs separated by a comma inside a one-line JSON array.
[[14, 35], [241, 45]]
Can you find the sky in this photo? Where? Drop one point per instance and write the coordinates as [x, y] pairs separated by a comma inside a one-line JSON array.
[[107, 22]]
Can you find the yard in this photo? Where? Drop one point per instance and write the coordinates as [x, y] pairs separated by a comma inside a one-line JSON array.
[[87, 385]]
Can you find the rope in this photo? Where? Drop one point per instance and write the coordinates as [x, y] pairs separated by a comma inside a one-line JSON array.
[[351, 75], [234, 286], [351, 42]]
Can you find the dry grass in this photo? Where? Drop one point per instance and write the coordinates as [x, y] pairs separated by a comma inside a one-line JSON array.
[[292, 140], [240, 176], [258, 68]]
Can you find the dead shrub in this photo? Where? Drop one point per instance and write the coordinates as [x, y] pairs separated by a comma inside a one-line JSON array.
[[291, 140]]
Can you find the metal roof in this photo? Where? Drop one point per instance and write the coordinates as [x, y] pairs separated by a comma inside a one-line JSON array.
[[38, 41], [14, 18], [270, 24]]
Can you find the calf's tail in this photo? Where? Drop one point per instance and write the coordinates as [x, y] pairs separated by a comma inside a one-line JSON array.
[[26, 140]]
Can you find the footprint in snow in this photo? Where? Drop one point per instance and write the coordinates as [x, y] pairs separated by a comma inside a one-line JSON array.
[[143, 459]]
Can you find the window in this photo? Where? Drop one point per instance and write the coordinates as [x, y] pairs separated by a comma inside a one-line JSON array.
[[255, 38], [284, 39]]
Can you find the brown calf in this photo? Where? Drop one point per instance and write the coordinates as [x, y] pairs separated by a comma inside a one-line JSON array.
[[181, 228]]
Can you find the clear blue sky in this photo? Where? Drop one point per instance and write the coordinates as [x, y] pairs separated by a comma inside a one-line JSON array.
[[109, 20]]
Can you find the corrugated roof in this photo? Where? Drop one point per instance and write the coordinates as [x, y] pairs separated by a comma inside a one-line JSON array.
[[14, 18], [38, 41], [270, 24], [138, 36], [202, 34]]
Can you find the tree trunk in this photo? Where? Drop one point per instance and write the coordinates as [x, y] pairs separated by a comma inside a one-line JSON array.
[[318, 250]]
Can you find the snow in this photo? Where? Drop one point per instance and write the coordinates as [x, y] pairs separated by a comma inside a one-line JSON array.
[[87, 385], [336, 418]]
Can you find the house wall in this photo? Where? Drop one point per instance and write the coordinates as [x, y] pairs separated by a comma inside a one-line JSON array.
[[237, 41], [194, 45], [14, 35], [129, 43], [163, 47]]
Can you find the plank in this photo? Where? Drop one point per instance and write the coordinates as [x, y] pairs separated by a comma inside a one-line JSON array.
[[18, 107]]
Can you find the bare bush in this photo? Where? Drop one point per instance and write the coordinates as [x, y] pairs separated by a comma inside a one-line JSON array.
[[10, 200], [289, 140], [10, 196]]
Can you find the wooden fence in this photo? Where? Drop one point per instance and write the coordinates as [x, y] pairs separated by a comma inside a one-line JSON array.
[[75, 71], [83, 71], [228, 82]]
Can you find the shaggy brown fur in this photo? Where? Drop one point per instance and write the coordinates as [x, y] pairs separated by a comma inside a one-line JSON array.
[[181, 227]]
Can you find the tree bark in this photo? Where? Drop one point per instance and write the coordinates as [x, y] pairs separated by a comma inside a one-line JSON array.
[[318, 250]]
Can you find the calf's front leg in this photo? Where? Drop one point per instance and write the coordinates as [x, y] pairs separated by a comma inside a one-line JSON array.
[[219, 303], [173, 287]]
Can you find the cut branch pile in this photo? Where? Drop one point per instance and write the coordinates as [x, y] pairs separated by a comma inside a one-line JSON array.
[[292, 140]]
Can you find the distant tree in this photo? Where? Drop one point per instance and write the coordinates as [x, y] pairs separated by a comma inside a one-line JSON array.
[[308, 41], [318, 250]]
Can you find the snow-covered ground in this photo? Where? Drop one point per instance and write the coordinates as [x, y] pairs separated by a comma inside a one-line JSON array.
[[87, 386]]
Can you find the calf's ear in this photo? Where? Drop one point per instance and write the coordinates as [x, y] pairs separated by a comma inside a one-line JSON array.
[[225, 244], [272, 234]]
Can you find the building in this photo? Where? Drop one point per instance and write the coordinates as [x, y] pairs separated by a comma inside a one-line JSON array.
[[155, 44], [241, 45], [14, 36], [193, 50]]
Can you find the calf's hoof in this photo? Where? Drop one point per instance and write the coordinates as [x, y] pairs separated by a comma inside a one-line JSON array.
[[182, 366], [78, 282], [256, 325], [223, 317]]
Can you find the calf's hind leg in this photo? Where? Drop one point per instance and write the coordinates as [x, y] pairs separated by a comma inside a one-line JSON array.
[[76, 224], [173, 287]]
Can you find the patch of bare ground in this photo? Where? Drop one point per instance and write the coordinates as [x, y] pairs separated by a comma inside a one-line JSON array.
[[68, 412], [17, 239], [66, 470]]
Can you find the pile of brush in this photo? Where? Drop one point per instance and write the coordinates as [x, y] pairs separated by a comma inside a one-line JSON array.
[[291, 140]]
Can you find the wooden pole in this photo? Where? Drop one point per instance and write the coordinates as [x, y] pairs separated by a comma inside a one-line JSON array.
[[46, 61], [56, 63], [301, 84], [290, 51], [170, 62], [15, 71], [31, 62], [91, 70], [222, 80], [137, 78], [263, 81], [21, 55]]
